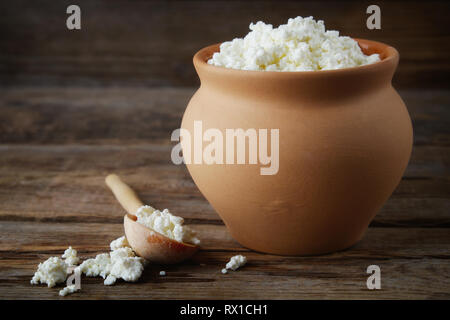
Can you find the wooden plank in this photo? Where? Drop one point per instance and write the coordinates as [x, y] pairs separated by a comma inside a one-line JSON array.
[[414, 212], [90, 115], [401, 279], [429, 112], [50, 238], [65, 183], [58, 144], [51, 115], [152, 42], [414, 263]]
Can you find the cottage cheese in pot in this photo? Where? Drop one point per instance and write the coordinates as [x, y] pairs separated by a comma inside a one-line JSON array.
[[302, 44]]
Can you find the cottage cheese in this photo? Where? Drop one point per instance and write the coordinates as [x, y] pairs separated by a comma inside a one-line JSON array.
[[119, 243], [302, 44], [70, 257], [68, 290], [51, 271], [128, 269], [98, 266], [235, 263], [166, 224], [120, 263], [110, 280]]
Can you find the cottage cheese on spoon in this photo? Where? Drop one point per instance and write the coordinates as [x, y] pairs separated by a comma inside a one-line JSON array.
[[166, 224], [302, 44]]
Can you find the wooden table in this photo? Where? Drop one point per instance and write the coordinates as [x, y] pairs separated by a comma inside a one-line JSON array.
[[62, 142]]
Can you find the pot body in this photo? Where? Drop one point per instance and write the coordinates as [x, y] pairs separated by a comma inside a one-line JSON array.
[[345, 138]]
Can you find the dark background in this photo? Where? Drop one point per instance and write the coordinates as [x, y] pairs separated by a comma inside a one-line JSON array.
[[151, 43]]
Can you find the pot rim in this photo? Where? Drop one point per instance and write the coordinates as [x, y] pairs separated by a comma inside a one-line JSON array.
[[387, 54]]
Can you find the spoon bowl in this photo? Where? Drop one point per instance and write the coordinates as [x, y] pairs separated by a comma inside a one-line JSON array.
[[154, 246], [146, 242]]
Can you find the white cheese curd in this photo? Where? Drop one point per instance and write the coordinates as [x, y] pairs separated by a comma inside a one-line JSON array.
[[224, 271], [236, 262], [121, 253], [162, 273], [127, 268], [68, 290], [166, 224], [124, 265], [98, 266], [120, 263], [110, 280], [70, 256], [51, 271], [302, 44], [119, 243]]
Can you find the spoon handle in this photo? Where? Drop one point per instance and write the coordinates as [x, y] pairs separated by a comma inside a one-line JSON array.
[[124, 194]]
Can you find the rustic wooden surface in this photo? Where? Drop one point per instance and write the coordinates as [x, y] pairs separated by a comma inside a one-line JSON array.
[[58, 144], [76, 105], [152, 42]]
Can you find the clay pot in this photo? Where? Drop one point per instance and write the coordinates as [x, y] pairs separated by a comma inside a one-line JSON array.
[[345, 138]]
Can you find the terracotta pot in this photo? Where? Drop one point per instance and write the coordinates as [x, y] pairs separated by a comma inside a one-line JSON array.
[[345, 138]]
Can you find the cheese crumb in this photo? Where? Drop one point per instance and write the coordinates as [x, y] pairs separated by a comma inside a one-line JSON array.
[[70, 257], [98, 266], [121, 253], [120, 263], [162, 273], [119, 243], [224, 271], [236, 262], [51, 271], [166, 224], [302, 44], [110, 280], [68, 290], [128, 269]]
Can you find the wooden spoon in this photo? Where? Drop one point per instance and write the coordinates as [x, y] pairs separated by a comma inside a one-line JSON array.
[[146, 242]]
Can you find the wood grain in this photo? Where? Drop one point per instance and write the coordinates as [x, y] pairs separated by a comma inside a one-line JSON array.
[[58, 144], [151, 43], [411, 260], [68, 183], [55, 115]]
